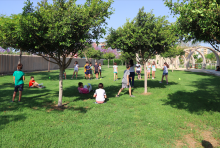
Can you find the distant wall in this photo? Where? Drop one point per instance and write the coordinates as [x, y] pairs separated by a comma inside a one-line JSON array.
[[8, 63]]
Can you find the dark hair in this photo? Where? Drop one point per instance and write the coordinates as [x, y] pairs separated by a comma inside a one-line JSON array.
[[100, 63], [154, 63], [76, 62], [115, 63], [90, 62], [87, 62], [32, 77], [80, 84], [19, 66], [131, 63], [100, 85], [127, 66], [166, 64]]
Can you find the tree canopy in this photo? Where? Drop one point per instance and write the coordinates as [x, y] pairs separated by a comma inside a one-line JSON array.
[[56, 30], [145, 34], [198, 21]]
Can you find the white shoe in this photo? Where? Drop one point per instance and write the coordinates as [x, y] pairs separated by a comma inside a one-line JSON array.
[[71, 78]]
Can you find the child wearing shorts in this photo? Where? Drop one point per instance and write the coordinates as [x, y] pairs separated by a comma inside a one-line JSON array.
[[96, 70], [33, 83], [18, 77], [138, 70], [115, 68], [87, 71], [100, 94], [125, 82], [91, 68], [165, 72], [100, 70], [154, 66], [76, 69], [84, 90]]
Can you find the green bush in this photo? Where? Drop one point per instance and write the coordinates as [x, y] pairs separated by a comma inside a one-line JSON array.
[[105, 62]]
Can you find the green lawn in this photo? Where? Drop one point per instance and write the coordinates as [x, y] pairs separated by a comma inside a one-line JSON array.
[[174, 115]]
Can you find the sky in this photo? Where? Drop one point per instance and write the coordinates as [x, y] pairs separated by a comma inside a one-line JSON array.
[[124, 9]]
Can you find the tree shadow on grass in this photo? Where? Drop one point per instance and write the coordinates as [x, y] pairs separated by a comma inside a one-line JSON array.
[[5, 119], [205, 98]]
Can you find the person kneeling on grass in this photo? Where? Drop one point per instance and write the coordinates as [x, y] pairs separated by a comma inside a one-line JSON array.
[[125, 82], [33, 83], [100, 94], [84, 90]]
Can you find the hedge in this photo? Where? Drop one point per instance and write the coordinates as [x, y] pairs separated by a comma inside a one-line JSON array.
[[105, 62]]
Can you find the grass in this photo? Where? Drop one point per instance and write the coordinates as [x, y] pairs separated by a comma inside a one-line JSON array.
[[166, 118]]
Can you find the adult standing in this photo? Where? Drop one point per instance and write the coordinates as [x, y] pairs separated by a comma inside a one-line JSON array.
[[132, 73]]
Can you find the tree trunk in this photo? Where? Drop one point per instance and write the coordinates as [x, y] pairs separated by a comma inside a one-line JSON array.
[[113, 61], [19, 61], [108, 63], [122, 62], [145, 78], [60, 87]]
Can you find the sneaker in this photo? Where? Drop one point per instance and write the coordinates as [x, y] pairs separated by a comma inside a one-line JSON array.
[[152, 78], [71, 78], [76, 78], [114, 80], [117, 96], [40, 87], [117, 80], [167, 83], [160, 82], [132, 96]]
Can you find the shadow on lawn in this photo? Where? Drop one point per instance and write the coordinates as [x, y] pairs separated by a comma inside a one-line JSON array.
[[5, 119], [205, 98]]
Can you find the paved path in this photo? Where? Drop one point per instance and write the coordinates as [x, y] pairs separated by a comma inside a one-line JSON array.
[[217, 73]]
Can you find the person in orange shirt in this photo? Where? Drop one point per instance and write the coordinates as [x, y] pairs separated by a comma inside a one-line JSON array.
[[33, 83]]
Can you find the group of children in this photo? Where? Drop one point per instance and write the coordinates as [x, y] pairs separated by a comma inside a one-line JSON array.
[[100, 95]]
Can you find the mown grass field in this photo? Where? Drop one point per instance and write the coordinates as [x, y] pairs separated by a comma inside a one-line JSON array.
[[184, 113]]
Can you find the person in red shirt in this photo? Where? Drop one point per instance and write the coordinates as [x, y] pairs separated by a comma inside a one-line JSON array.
[[33, 83]]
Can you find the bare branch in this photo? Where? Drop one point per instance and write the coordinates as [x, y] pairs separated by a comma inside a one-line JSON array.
[[47, 59]]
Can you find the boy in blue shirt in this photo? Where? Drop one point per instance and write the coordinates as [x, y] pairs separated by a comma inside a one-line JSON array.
[[18, 77]]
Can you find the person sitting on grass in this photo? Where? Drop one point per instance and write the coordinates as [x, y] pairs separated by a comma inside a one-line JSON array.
[[100, 94], [33, 83], [125, 82], [18, 77], [84, 90]]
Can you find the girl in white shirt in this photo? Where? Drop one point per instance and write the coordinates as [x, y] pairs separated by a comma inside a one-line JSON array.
[[148, 69], [100, 94], [76, 69], [165, 72]]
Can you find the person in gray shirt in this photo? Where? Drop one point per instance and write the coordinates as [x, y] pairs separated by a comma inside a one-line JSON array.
[[125, 82]]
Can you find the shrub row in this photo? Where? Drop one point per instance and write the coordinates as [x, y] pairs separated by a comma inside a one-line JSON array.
[[119, 62]]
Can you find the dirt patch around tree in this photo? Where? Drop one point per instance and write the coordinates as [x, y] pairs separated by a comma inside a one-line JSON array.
[[189, 140], [146, 94]]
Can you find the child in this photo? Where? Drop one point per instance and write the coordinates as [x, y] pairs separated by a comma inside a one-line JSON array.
[[125, 82], [87, 71], [18, 77], [154, 66], [76, 69], [64, 74], [100, 70], [100, 94], [96, 70], [33, 83], [91, 68], [165, 72], [84, 90], [138, 70], [148, 69], [115, 68]]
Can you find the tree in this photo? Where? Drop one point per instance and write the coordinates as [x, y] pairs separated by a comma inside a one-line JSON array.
[[198, 21], [127, 56], [211, 57], [56, 30], [199, 60], [108, 56], [172, 53], [146, 35]]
